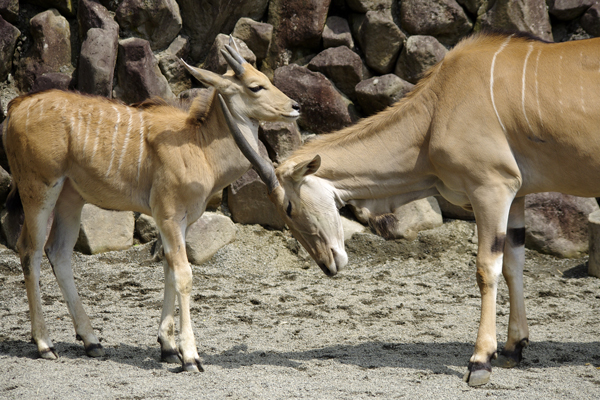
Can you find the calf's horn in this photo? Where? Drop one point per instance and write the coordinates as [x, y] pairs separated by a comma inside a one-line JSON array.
[[233, 57], [263, 167]]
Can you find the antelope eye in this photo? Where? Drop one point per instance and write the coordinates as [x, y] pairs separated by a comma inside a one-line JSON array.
[[288, 211], [256, 89]]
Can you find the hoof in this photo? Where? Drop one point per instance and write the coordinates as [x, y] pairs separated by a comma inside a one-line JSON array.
[[511, 358], [95, 350], [170, 356], [49, 354], [477, 378], [478, 373], [194, 366]]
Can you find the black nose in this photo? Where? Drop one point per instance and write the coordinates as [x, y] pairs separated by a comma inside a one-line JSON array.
[[296, 106]]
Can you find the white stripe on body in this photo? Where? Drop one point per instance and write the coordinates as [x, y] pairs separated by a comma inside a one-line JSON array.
[[114, 138], [142, 128], [523, 85], [537, 90], [126, 140], [100, 118], [502, 46]]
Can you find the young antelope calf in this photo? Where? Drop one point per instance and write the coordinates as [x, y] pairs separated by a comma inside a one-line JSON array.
[[65, 149]]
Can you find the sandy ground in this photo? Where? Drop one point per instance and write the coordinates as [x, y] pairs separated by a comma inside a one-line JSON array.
[[399, 322]]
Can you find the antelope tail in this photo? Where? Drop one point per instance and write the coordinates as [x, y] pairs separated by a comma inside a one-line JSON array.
[[263, 167]]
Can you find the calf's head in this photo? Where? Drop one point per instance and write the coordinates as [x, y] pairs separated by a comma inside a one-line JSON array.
[[248, 91]]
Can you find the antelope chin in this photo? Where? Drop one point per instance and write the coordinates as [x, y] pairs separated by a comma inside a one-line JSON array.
[[293, 115], [339, 261]]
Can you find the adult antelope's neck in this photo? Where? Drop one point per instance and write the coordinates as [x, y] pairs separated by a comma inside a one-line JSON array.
[[380, 156]]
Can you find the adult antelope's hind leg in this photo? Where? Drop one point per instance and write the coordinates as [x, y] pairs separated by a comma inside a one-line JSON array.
[[512, 269], [491, 206], [59, 249], [178, 283]]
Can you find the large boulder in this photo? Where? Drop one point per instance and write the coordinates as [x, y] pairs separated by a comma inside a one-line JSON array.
[[204, 20], [8, 40], [9, 10], [172, 68], [590, 20], [377, 93], [297, 30], [207, 235], [138, 73], [363, 6], [418, 55], [529, 16], [324, 109], [380, 55], [444, 19], [557, 224], [337, 33], [104, 230], [157, 21], [256, 35], [53, 80], [568, 10], [280, 139], [97, 61], [91, 14], [66, 7], [215, 61], [51, 49], [342, 66]]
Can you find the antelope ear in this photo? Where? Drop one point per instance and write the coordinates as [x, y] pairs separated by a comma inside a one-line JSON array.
[[207, 77], [306, 168]]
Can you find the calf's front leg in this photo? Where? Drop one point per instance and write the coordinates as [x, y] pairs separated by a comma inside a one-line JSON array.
[[178, 283]]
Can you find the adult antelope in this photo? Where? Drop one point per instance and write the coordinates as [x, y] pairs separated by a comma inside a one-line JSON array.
[[500, 117], [65, 149]]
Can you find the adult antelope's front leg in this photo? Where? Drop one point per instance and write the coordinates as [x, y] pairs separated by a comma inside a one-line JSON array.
[[491, 207], [512, 269], [178, 283]]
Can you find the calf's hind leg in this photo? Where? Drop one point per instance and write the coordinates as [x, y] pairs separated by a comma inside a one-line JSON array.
[[59, 249]]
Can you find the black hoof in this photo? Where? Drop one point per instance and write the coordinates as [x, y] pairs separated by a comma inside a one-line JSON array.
[[95, 350], [170, 356], [511, 358]]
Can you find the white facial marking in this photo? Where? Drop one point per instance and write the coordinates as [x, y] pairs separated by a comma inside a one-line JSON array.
[[502, 46], [523, 84], [126, 140], [114, 138]]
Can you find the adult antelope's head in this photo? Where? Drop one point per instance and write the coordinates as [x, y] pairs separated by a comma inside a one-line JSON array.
[[307, 204], [246, 90]]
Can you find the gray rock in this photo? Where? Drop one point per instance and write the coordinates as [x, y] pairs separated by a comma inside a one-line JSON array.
[[50, 51], [342, 66], [363, 6], [97, 62], [380, 55], [337, 33], [557, 224], [145, 228], [567, 10], [66, 7], [9, 10], [590, 20], [157, 21], [594, 251], [215, 61], [207, 235], [52, 80], [256, 35], [249, 203], [5, 181], [104, 230], [172, 68], [418, 55], [444, 19], [324, 109], [138, 73], [280, 139], [529, 16], [377, 93], [473, 5], [204, 20], [91, 14], [8, 40]]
